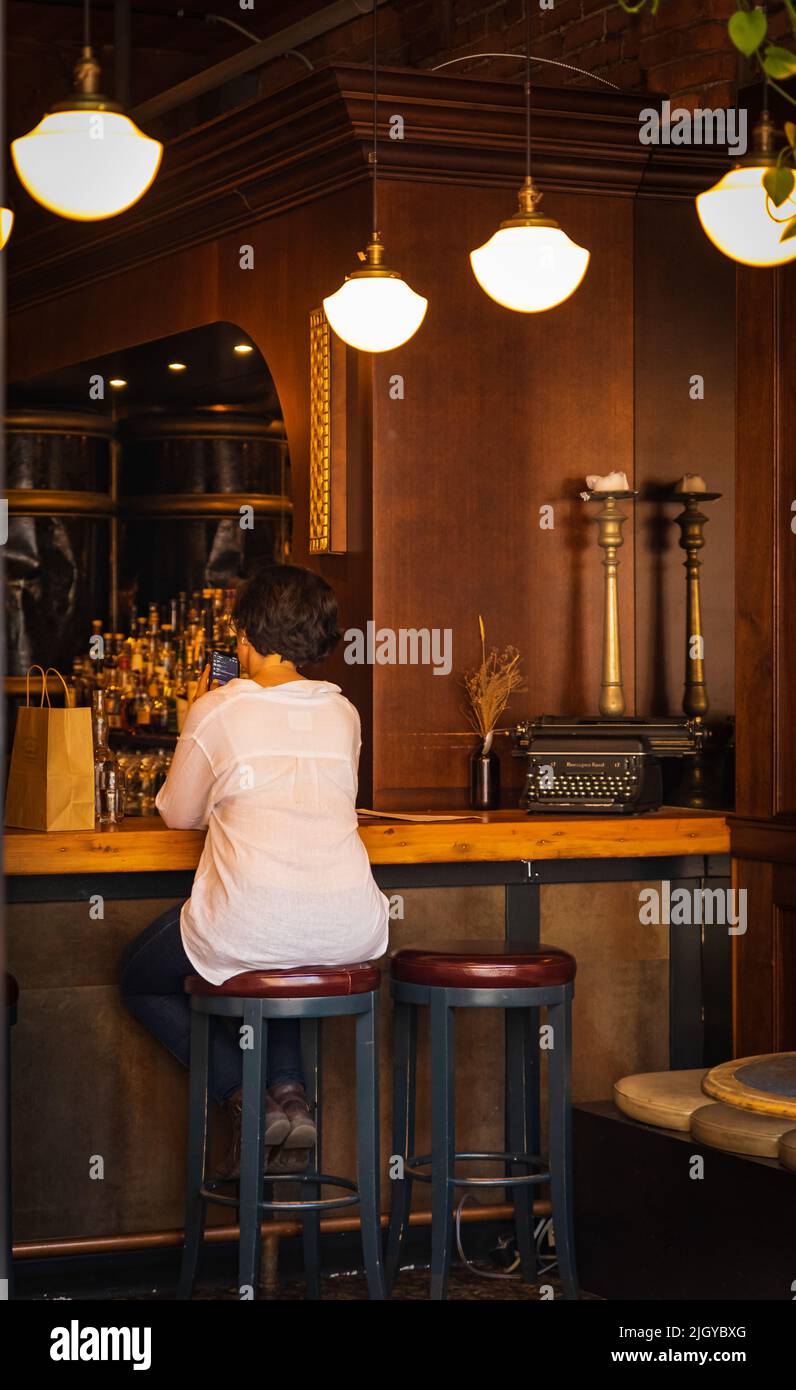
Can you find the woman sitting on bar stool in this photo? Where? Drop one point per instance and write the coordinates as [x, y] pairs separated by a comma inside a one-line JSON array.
[[269, 765]]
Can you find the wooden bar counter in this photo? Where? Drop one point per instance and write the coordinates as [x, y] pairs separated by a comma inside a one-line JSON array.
[[89, 1082], [144, 845]]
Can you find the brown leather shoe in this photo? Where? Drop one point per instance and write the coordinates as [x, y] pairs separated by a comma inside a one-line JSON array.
[[277, 1129], [292, 1098]]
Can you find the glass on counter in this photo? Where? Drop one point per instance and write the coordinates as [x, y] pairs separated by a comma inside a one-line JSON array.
[[145, 774]]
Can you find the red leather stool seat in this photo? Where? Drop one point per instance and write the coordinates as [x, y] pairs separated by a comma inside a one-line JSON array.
[[483, 965], [308, 982], [12, 991]]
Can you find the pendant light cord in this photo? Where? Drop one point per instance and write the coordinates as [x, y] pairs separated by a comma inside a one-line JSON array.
[[765, 112], [528, 90], [86, 24], [375, 153]]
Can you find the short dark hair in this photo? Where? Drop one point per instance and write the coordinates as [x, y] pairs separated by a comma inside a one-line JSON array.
[[290, 610]]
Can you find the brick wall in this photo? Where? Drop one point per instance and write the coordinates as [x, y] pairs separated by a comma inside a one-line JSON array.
[[683, 51]]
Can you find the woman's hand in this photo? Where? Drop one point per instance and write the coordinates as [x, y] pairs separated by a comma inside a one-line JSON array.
[[203, 684]]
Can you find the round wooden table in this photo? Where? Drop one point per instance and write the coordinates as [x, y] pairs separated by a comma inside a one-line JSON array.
[[764, 1084]]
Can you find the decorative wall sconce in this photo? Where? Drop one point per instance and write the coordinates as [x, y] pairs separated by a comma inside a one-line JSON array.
[[328, 439]]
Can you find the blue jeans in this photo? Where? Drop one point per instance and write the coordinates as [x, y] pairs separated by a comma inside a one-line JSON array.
[[153, 971]]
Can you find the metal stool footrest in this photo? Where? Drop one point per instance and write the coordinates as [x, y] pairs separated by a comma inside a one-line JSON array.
[[412, 1164], [209, 1192]]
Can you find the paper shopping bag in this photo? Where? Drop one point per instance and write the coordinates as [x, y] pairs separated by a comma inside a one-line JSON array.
[[51, 782]]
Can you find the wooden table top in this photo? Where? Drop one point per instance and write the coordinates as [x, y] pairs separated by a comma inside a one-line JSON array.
[[147, 845]]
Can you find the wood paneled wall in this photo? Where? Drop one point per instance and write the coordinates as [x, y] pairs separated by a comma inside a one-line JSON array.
[[503, 414], [763, 833], [684, 326]]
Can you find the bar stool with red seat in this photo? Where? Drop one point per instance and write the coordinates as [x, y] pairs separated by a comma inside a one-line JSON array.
[[309, 994], [483, 975]]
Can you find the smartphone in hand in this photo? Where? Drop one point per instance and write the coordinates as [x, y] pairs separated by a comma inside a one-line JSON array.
[[223, 667]]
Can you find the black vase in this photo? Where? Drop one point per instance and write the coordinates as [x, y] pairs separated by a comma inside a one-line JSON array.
[[484, 780]]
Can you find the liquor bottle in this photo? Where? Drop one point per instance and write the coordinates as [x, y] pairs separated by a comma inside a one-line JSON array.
[[170, 696], [158, 712], [137, 649], [166, 653], [180, 688], [113, 695], [108, 777], [142, 705], [77, 683]]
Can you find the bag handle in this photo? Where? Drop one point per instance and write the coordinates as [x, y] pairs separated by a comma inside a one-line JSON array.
[[27, 684], [67, 696]]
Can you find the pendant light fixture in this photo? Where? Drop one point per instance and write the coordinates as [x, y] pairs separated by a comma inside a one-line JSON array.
[[6, 225], [374, 309], [737, 214], [529, 264], [85, 159]]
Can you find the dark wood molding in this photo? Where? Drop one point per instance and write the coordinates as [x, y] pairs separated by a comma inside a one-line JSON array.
[[771, 840], [312, 138]]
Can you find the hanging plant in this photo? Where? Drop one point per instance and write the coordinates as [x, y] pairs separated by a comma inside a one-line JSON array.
[[748, 31]]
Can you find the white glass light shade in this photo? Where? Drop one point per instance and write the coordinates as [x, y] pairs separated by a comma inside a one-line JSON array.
[[375, 312], [739, 219], [529, 268], [6, 223], [86, 164]]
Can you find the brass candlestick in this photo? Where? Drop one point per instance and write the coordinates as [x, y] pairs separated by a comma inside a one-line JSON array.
[[610, 522], [692, 522]]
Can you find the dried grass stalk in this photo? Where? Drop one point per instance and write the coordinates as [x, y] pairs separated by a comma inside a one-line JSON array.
[[489, 687]]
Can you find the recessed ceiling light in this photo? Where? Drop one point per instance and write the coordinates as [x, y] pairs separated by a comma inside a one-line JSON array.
[[243, 348], [177, 366], [118, 381]]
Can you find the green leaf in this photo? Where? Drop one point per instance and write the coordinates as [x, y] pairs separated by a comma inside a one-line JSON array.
[[778, 184], [790, 230], [790, 131], [779, 62], [747, 30]]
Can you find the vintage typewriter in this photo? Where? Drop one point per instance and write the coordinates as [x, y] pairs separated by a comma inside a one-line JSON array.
[[694, 762], [613, 766], [602, 774]]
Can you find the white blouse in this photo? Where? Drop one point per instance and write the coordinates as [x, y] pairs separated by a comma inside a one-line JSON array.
[[284, 879]]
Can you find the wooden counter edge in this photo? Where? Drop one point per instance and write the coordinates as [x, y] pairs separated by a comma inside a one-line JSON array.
[[152, 849]]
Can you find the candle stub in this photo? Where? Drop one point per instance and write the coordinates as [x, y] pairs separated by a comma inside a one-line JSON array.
[[691, 482], [612, 482]]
